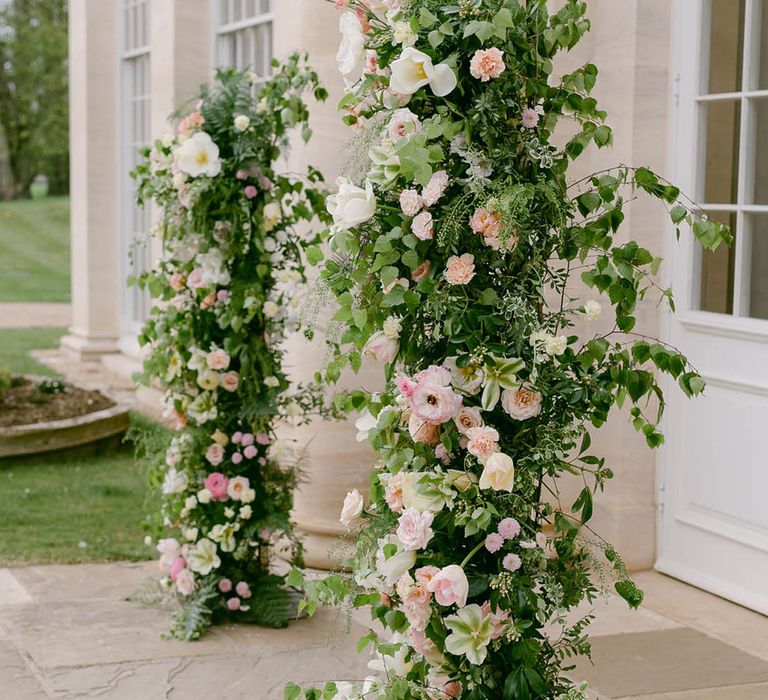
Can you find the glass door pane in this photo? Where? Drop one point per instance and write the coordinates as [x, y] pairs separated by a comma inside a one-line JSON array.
[[726, 45], [722, 126], [717, 272]]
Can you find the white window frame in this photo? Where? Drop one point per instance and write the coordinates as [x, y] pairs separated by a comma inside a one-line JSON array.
[[236, 30], [688, 160], [134, 221]]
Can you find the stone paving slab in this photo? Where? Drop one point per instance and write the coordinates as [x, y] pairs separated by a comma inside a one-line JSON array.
[[35, 315]]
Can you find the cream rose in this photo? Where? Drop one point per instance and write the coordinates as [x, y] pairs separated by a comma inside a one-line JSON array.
[[217, 359], [229, 381], [352, 508], [467, 418], [351, 205], [521, 403]]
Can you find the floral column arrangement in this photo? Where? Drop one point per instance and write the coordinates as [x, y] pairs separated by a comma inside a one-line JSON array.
[[226, 290], [454, 262]]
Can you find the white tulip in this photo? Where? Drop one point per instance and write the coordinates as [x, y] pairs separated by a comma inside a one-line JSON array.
[[198, 155], [414, 70], [351, 205]]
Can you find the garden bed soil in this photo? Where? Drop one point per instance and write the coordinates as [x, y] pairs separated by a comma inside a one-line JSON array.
[[24, 404]]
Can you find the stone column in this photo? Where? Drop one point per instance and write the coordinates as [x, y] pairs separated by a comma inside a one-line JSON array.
[[336, 462], [93, 104]]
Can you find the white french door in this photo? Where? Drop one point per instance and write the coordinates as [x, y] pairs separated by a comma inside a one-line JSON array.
[[713, 521]]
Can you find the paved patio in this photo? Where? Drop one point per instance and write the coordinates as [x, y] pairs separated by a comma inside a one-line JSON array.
[[15, 315], [68, 632]]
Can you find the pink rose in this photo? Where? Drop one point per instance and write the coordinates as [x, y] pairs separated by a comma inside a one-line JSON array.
[[393, 492], [250, 192], [243, 590], [233, 604], [435, 188], [419, 641], [509, 528], [237, 438], [522, 403], [229, 381], [217, 359], [403, 123], [422, 226], [215, 454], [410, 202], [442, 454], [436, 374], [421, 271], [177, 281], [217, 484], [185, 582], [414, 529], [512, 562], [467, 418], [195, 279], [263, 439], [415, 602], [530, 118], [425, 574], [423, 431], [250, 452], [383, 348], [483, 442], [190, 123], [494, 542], [236, 458], [487, 64], [246, 439], [450, 586], [434, 403], [178, 564], [225, 585], [460, 269]]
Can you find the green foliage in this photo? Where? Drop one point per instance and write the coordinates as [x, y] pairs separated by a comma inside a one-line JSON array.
[[34, 91]]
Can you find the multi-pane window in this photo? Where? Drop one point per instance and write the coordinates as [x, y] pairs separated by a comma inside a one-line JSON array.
[[135, 128], [244, 35], [732, 171]]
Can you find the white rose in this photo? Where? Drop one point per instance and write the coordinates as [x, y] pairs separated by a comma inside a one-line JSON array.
[[204, 496], [248, 496], [414, 70], [271, 382], [351, 205], [351, 54], [175, 482], [352, 508], [555, 344], [242, 122], [592, 310], [499, 473], [403, 34], [198, 155], [364, 424], [246, 512], [270, 309], [272, 214]]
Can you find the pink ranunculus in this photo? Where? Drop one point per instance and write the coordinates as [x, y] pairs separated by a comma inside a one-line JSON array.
[[434, 403], [178, 564], [250, 192], [467, 418], [236, 458], [460, 269], [263, 439], [483, 442], [423, 227], [177, 281], [403, 123], [237, 438], [509, 528], [442, 454], [215, 454], [530, 118], [241, 174], [421, 271], [247, 439], [450, 586], [521, 403], [195, 279], [225, 585], [243, 590], [265, 182], [494, 542], [487, 64], [229, 381], [423, 431], [233, 604], [410, 202], [383, 348], [262, 461], [185, 582], [393, 492], [250, 452], [415, 529], [512, 562], [435, 188], [217, 484]]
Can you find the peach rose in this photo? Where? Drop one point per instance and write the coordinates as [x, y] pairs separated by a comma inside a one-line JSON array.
[[421, 271], [483, 442], [467, 418], [460, 269], [435, 188], [422, 226], [421, 431], [522, 403], [487, 64], [217, 359], [410, 202], [230, 381]]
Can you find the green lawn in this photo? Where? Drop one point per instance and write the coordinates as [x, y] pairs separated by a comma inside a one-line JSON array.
[[17, 342], [34, 250], [55, 510]]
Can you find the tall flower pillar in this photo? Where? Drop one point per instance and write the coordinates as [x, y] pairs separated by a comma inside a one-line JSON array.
[[93, 99], [336, 463]]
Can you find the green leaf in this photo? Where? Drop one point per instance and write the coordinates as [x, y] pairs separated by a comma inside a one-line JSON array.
[[630, 592], [291, 692], [314, 255]]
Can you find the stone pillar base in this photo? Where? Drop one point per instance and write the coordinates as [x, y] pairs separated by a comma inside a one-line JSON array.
[[85, 349]]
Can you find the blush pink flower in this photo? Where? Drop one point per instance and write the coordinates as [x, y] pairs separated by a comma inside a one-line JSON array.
[[403, 123], [442, 454], [405, 385], [190, 123], [411, 202], [178, 564], [236, 458], [243, 590], [422, 226], [425, 574], [371, 61], [247, 439], [500, 620], [487, 64], [236, 487], [177, 281], [509, 528], [225, 585], [185, 582], [383, 348], [512, 562], [393, 492], [421, 271], [434, 403], [217, 484], [414, 529], [423, 431], [450, 586], [522, 403], [233, 604], [229, 381], [530, 118], [195, 279], [460, 269], [483, 442], [435, 188], [215, 454], [217, 359], [494, 542], [250, 192], [467, 418]]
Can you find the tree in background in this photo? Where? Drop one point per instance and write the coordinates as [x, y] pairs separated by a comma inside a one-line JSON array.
[[34, 92]]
